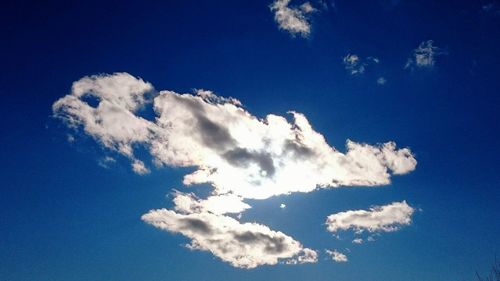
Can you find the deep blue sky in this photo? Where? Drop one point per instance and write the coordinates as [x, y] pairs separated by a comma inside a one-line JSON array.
[[66, 218]]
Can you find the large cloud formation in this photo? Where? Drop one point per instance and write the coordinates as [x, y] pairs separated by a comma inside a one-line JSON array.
[[239, 155], [233, 150]]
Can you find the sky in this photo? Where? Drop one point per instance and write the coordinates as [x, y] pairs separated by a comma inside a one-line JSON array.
[[255, 140]]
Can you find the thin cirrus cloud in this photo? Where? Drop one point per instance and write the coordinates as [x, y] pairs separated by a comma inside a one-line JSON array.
[[385, 218], [239, 155], [294, 20], [424, 56]]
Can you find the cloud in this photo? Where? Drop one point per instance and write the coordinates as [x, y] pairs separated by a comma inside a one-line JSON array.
[[357, 241], [282, 206], [336, 256], [295, 20], [238, 154], [234, 151], [381, 81], [243, 245], [385, 218], [221, 204], [424, 56], [355, 65]]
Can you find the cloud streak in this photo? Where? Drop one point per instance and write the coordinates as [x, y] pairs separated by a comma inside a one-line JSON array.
[[243, 245], [385, 218]]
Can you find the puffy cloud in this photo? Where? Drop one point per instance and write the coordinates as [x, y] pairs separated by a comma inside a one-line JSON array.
[[234, 151], [293, 19], [244, 245], [282, 206], [336, 256], [385, 218], [424, 56], [355, 65]]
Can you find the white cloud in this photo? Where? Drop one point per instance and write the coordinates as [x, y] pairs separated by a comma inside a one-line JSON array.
[[385, 218], [355, 65], [424, 56], [234, 151], [282, 206], [295, 20], [336, 256], [244, 245]]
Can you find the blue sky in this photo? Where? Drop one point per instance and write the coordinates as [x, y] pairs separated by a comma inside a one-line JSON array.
[[70, 214]]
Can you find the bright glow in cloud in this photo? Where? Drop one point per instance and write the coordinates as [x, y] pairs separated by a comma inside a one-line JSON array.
[[293, 19], [377, 219], [233, 150], [424, 56], [336, 256], [244, 245]]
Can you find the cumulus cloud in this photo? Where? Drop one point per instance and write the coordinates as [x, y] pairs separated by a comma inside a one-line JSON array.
[[243, 245], [238, 154], [424, 56], [232, 150], [355, 65], [336, 256], [385, 218], [295, 20]]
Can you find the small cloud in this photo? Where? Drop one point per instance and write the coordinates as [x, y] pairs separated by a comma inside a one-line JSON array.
[[336, 256], [358, 241], [381, 80], [355, 65], [106, 162], [295, 20], [424, 56], [70, 138], [139, 167], [282, 206]]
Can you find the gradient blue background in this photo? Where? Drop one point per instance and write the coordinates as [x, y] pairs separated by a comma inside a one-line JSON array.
[[63, 217]]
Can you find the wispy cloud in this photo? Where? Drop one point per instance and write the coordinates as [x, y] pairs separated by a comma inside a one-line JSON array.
[[294, 20], [424, 56], [381, 80], [355, 65]]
